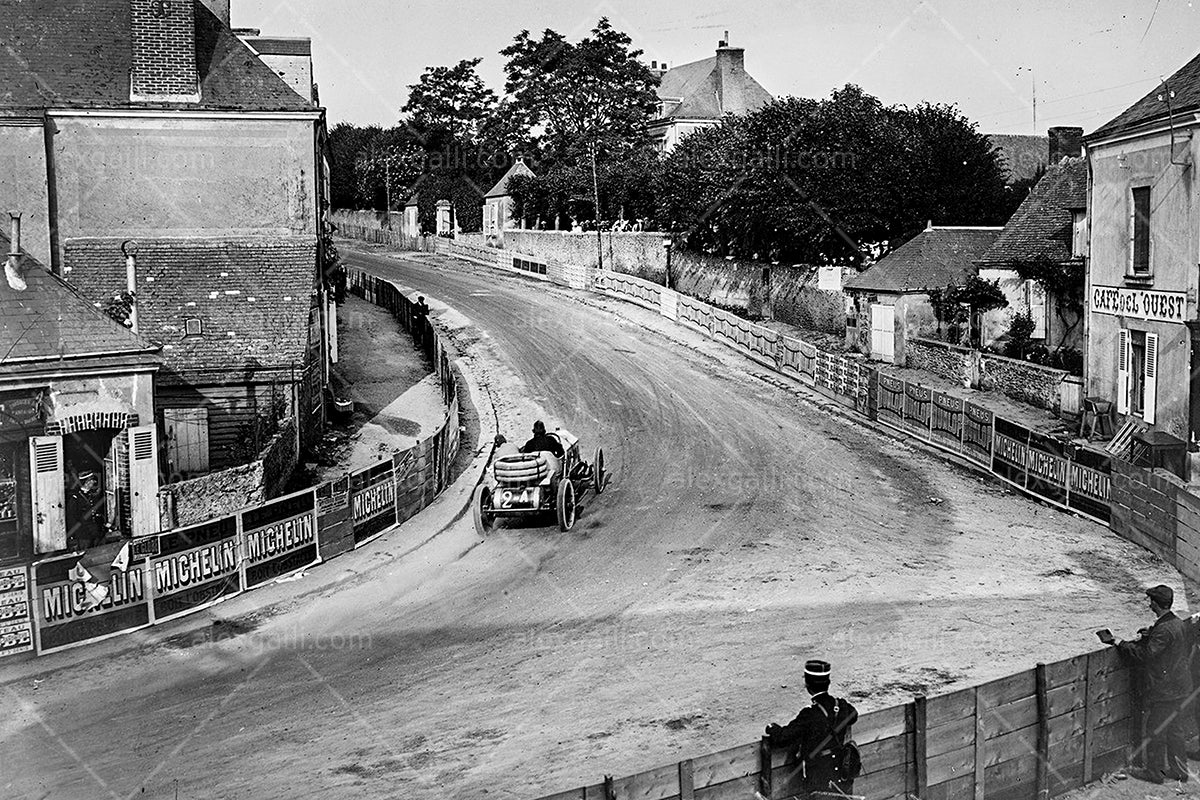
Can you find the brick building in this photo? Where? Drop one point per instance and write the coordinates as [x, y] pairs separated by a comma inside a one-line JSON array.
[[148, 128]]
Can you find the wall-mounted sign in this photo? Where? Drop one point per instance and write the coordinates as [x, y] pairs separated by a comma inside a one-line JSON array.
[[1141, 303], [23, 411]]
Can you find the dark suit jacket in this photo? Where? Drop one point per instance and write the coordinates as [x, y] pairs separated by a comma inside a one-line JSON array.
[[1164, 654]]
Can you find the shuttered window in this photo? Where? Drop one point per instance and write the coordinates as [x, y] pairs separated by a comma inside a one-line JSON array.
[[1141, 230]]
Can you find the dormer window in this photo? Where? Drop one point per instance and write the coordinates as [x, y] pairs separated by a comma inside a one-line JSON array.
[[1078, 233], [192, 327]]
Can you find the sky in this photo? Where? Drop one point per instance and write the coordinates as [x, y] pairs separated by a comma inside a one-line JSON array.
[[1087, 61]]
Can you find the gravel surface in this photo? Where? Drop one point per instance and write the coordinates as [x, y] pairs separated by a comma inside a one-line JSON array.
[[746, 529]]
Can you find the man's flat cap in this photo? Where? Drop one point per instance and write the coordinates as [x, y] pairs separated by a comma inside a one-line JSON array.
[[1162, 595]]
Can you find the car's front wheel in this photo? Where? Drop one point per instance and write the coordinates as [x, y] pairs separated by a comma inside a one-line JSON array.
[[483, 511], [566, 505]]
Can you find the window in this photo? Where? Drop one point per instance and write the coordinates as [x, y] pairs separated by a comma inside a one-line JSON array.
[[1140, 231], [192, 327], [1137, 374], [1078, 233]]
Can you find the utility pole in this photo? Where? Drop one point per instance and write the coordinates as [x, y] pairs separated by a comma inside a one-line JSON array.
[[596, 202]]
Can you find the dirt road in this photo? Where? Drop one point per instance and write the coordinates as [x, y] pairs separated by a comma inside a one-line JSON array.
[[745, 530]]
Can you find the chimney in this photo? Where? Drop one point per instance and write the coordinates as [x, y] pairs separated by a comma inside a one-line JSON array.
[[14, 272], [220, 9], [163, 63], [1065, 142], [731, 77]]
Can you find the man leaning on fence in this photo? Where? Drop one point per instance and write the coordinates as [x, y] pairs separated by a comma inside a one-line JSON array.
[[819, 738], [1163, 652]]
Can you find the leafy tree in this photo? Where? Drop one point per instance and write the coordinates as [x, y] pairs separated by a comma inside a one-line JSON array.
[[1020, 335], [450, 99], [828, 181], [346, 142], [589, 102], [594, 93], [386, 166], [957, 305]]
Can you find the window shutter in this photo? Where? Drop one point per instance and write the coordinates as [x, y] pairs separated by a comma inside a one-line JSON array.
[[1124, 356], [143, 480], [1150, 378], [49, 494]]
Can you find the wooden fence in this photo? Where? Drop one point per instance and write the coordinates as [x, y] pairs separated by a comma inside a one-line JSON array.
[[1035, 734]]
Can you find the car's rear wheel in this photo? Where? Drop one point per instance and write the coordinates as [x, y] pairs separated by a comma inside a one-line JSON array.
[[598, 476], [483, 511], [566, 505]]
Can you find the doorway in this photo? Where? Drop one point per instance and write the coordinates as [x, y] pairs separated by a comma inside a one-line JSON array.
[[91, 479]]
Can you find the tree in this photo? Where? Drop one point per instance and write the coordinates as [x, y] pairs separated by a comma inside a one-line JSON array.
[[828, 181], [590, 102], [593, 93], [1020, 335], [386, 166], [957, 305], [450, 99], [346, 142]]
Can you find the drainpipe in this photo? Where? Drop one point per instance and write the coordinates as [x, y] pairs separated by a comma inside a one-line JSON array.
[[130, 249]]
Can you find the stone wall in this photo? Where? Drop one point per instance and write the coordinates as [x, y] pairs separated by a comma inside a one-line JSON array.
[[221, 493], [279, 459], [950, 361], [1021, 380], [639, 254], [211, 496]]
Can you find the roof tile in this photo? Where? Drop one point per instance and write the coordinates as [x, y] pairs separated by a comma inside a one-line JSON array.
[[1041, 227], [78, 53], [934, 258], [258, 289]]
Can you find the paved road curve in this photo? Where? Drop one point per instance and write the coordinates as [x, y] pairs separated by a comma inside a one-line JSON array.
[[745, 530]]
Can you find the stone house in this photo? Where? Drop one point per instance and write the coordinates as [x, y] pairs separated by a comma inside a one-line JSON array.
[[1143, 332], [891, 298], [1049, 226], [498, 203], [698, 94], [149, 129]]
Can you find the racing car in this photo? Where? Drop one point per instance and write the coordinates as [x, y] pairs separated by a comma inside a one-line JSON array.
[[525, 485]]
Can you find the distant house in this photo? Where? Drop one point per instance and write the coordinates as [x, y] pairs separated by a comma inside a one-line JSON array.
[[891, 297], [1049, 226], [696, 95], [498, 203]]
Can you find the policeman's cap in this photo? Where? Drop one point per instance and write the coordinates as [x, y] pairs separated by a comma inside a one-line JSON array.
[[816, 668]]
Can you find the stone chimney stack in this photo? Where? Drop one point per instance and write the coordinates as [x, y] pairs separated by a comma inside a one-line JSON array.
[[220, 9], [163, 63], [1065, 142], [731, 77]]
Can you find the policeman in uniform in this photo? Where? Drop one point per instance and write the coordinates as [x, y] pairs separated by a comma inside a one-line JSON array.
[[815, 738]]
